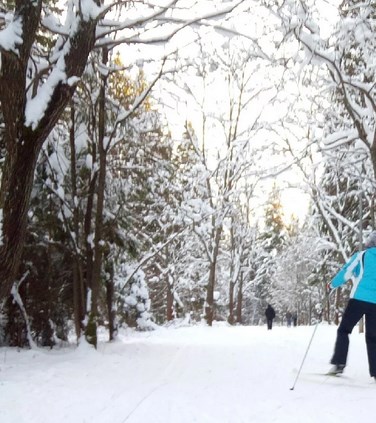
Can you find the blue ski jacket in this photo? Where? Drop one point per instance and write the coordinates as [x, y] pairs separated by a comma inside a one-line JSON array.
[[361, 268]]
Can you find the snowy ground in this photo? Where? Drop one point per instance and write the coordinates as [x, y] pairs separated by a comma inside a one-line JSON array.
[[189, 374]]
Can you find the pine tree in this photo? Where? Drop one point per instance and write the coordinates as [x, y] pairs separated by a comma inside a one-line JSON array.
[[274, 234]]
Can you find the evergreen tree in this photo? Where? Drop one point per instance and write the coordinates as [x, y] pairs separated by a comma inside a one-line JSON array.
[[274, 234]]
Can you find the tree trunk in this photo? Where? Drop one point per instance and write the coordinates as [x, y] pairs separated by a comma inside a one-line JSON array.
[[231, 318], [209, 306], [239, 303], [23, 143], [88, 228], [328, 308], [336, 302], [170, 303], [17, 181], [76, 296], [78, 282], [110, 289], [98, 248]]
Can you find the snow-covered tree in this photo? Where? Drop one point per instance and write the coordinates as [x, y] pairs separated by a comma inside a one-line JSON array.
[[47, 77]]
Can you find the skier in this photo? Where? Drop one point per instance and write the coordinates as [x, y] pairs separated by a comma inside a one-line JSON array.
[[295, 318], [270, 315], [289, 318], [361, 268]]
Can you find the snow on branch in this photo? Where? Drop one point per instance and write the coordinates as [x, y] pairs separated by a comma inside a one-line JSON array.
[[17, 298], [333, 230], [149, 256], [69, 61], [11, 36], [339, 138], [90, 10], [160, 18], [357, 112], [132, 23], [339, 217], [52, 24], [36, 107]]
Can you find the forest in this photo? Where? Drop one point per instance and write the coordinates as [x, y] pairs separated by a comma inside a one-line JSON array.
[[146, 148]]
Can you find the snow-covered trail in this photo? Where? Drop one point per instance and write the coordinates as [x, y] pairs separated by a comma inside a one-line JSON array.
[[192, 374]]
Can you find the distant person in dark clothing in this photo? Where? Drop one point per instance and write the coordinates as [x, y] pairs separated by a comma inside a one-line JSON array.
[[288, 318], [295, 319], [270, 315]]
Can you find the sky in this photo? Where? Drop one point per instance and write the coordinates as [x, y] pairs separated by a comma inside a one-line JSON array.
[[188, 374], [295, 203]]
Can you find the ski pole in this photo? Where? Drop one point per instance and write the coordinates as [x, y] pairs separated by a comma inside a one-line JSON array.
[[305, 355]]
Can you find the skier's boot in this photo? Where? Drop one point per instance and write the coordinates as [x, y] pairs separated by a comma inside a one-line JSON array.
[[337, 369]]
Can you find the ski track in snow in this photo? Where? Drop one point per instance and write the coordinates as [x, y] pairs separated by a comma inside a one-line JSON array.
[[190, 374]]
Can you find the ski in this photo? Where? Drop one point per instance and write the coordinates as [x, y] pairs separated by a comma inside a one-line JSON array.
[[333, 374], [341, 379]]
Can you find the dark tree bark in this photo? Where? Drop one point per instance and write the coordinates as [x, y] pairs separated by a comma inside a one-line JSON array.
[[209, 307], [170, 303], [79, 298], [231, 303], [23, 142], [91, 334], [110, 290], [239, 303]]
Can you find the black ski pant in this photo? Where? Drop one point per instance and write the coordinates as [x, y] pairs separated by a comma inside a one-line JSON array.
[[354, 311], [269, 322]]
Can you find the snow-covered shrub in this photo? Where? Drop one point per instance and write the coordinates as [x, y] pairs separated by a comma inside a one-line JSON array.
[[133, 299]]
